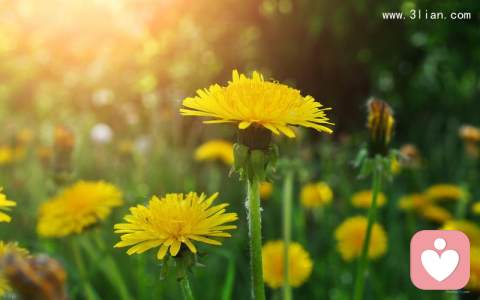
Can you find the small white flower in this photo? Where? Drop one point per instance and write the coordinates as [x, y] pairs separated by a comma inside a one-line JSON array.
[[101, 133]]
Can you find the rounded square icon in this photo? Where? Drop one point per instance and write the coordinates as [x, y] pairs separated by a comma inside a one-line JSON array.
[[440, 260]]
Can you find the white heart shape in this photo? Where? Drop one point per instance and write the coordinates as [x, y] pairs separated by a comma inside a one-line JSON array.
[[440, 267]]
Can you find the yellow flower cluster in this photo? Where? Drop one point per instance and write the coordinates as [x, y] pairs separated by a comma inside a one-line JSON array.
[[215, 150], [315, 195], [173, 221], [77, 207], [5, 205], [248, 101], [444, 191], [350, 236], [425, 207], [469, 228], [476, 208], [436, 213], [427, 204], [300, 264], [9, 155], [363, 199]]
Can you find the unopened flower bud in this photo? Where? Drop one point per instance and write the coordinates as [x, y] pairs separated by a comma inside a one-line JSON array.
[[380, 125]]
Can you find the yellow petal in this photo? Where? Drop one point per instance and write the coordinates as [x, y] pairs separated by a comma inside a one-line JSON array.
[[244, 125], [175, 248], [162, 251]]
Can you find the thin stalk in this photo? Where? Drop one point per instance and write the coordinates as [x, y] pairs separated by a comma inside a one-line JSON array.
[[88, 290], [107, 265], [186, 289], [462, 204], [363, 261], [229, 280], [287, 232], [255, 234]]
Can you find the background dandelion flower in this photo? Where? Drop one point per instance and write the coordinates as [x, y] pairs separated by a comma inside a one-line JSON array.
[[435, 213], [471, 229], [363, 199], [5, 205], [266, 190], [174, 220], [300, 264], [413, 202], [351, 234], [316, 194], [474, 282], [77, 207], [215, 149], [476, 208], [248, 101], [444, 191]]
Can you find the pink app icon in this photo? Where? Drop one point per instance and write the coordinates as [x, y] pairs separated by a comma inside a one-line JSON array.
[[439, 260]]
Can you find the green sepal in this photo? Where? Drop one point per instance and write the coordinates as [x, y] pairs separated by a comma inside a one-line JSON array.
[[258, 163], [164, 268], [184, 262], [240, 155]]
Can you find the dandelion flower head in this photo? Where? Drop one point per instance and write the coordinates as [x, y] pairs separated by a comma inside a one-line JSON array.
[[173, 221], [300, 264], [255, 101], [77, 207], [215, 150], [5, 205], [350, 236]]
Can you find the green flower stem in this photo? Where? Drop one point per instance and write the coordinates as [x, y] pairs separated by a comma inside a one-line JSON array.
[[186, 289], [363, 261], [287, 231], [89, 292], [107, 264], [255, 233], [462, 204]]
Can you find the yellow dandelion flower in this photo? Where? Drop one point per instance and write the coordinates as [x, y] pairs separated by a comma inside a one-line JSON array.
[[266, 190], [316, 194], [350, 236], [5, 205], [7, 155], [474, 282], [471, 229], [476, 208], [248, 101], [363, 199], [174, 220], [413, 202], [215, 149], [435, 213], [77, 207], [444, 191], [11, 247], [299, 260], [7, 248]]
